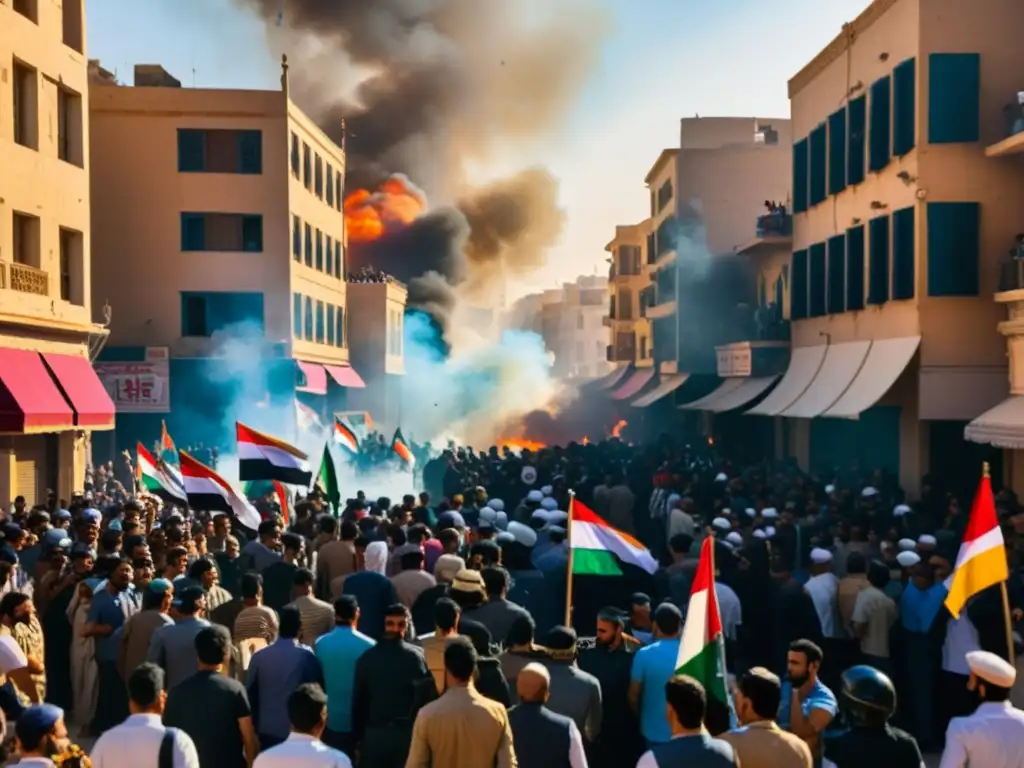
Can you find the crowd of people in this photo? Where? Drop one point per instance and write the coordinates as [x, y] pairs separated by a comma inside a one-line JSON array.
[[433, 630]]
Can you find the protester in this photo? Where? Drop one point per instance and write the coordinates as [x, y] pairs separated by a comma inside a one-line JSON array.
[[540, 736], [173, 646], [759, 742], [690, 744], [307, 713], [338, 652]]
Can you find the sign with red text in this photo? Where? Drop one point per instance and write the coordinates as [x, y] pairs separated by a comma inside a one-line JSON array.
[[140, 387]]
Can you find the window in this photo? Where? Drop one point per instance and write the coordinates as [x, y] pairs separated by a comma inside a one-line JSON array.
[[819, 153], [904, 107], [903, 253], [643, 347], [220, 151], [296, 239], [307, 323], [69, 126], [954, 250], [297, 315], [295, 155], [337, 191], [25, 87], [309, 246], [329, 189], [71, 20], [855, 269], [666, 235], [817, 281], [800, 176], [954, 97], [855, 140], [319, 322], [339, 260], [27, 8], [878, 260], [654, 203], [72, 262], [339, 334], [665, 194], [625, 304], [837, 152], [329, 255], [319, 251], [798, 290], [222, 232], [836, 292], [880, 146], [319, 177], [307, 166], [204, 314], [330, 324], [27, 248]]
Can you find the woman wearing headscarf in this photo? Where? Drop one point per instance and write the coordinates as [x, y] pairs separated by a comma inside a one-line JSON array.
[[84, 673], [372, 590]]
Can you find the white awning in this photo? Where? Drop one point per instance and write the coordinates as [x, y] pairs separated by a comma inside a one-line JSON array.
[[1002, 426], [886, 360], [723, 390], [668, 385], [633, 384], [841, 365], [613, 378], [803, 366], [749, 390]]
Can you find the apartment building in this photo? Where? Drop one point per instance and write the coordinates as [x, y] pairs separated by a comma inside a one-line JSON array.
[[218, 214], [629, 292], [51, 402], [900, 223], [377, 350]]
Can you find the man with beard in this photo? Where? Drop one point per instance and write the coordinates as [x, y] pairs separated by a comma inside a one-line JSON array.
[[111, 607], [17, 612], [807, 706], [610, 660], [392, 683]]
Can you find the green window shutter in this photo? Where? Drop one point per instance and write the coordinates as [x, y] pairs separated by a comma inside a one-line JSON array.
[[193, 232], [252, 233], [954, 249], [880, 140], [837, 152], [296, 238], [836, 275], [904, 107], [819, 164], [855, 268], [191, 150], [903, 254], [297, 315], [798, 287], [878, 260], [856, 140], [817, 270], [954, 97], [250, 151], [800, 176]]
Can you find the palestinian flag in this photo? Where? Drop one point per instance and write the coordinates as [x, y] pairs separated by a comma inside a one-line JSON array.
[[151, 477], [598, 549], [345, 436], [327, 481], [209, 491], [702, 648], [402, 449], [282, 500], [262, 457]]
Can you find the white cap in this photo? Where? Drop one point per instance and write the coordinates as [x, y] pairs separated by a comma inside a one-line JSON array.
[[759, 534], [488, 514], [524, 534], [549, 504], [820, 556], [901, 510], [869, 492], [735, 538], [497, 505], [908, 559], [991, 668], [721, 477], [769, 513], [535, 496], [540, 514], [721, 524], [769, 531], [547, 490], [501, 519], [927, 540], [907, 545], [830, 489], [726, 511], [750, 512], [557, 517]]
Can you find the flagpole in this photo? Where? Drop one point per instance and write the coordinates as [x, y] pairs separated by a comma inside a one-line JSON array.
[[568, 570], [1007, 617]]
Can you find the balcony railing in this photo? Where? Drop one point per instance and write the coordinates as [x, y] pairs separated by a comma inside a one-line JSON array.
[[776, 224], [27, 279]]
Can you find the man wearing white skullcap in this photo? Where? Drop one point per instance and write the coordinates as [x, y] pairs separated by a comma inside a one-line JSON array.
[[769, 513], [869, 493], [829, 490], [547, 490], [926, 543], [721, 477], [993, 737], [548, 503], [760, 534], [770, 531], [900, 510], [523, 533], [823, 587], [721, 524], [908, 559], [735, 538], [497, 505], [907, 545], [535, 497]]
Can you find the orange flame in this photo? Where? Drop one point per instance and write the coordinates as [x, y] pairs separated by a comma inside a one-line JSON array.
[[519, 444], [620, 425], [396, 204]]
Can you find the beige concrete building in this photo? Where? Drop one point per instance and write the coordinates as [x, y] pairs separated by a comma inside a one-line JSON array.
[[377, 350], [900, 223], [629, 291], [50, 399], [218, 217]]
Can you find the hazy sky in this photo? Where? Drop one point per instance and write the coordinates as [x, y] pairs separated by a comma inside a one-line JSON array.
[[664, 60]]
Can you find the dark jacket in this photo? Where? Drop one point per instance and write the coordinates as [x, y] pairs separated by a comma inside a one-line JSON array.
[[541, 737], [700, 751], [392, 684]]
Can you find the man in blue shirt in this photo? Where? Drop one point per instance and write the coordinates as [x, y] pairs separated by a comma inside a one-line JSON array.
[[920, 603], [276, 671], [807, 706], [111, 607], [338, 652], [653, 667]]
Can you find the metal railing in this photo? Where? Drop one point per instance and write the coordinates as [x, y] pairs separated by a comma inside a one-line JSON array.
[[28, 279], [775, 225]]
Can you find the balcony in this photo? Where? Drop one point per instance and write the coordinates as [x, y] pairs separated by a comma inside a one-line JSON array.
[[1013, 117], [26, 279], [662, 309], [770, 231], [755, 324], [1011, 272]]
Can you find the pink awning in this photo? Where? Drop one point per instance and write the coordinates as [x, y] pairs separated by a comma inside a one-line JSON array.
[[345, 376], [634, 384], [315, 378]]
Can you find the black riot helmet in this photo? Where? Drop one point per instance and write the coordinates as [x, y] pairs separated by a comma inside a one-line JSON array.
[[868, 697]]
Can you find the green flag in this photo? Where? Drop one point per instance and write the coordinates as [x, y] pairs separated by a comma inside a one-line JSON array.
[[327, 481]]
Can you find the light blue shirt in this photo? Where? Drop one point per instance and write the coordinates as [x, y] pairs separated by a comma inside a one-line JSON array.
[[652, 668], [112, 610], [819, 697], [338, 652], [919, 607]]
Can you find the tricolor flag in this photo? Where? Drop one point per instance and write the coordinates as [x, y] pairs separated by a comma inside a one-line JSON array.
[[282, 500], [981, 562], [153, 478], [327, 480], [597, 548], [209, 491], [169, 456], [306, 418], [702, 648], [401, 448], [262, 457], [345, 436]]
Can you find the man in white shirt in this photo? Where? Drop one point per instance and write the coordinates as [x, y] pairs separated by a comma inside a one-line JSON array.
[[142, 739], [823, 586], [307, 711]]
